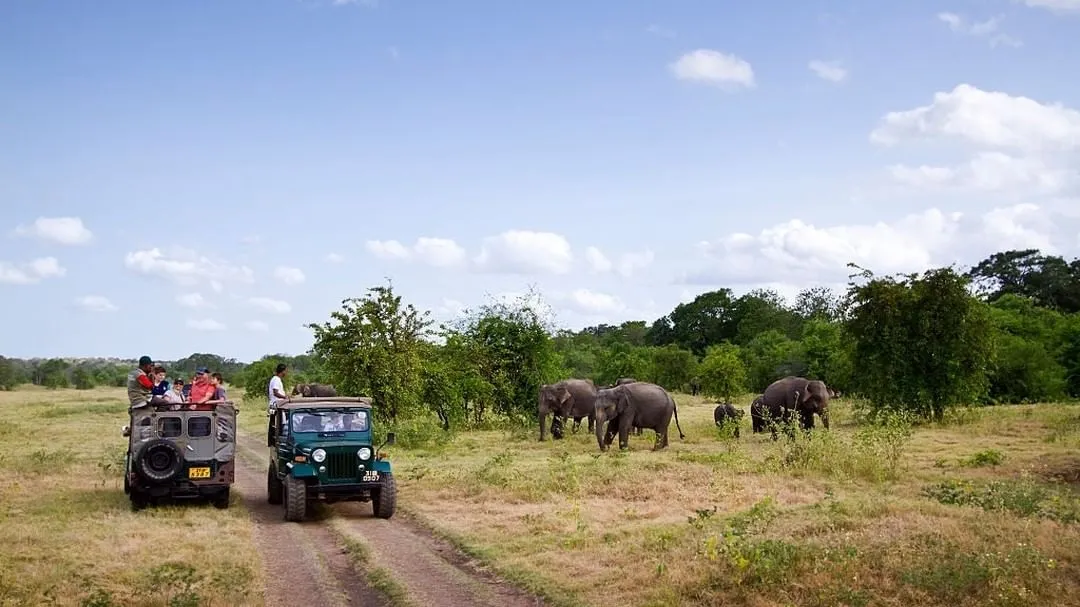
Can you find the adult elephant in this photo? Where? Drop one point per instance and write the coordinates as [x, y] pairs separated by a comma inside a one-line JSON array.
[[640, 404], [724, 412], [789, 396], [314, 390], [567, 398]]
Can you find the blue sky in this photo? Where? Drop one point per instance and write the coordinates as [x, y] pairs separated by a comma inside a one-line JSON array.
[[209, 176]]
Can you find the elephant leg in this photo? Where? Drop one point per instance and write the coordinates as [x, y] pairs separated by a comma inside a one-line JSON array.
[[624, 435], [592, 421], [556, 427], [609, 434], [577, 424]]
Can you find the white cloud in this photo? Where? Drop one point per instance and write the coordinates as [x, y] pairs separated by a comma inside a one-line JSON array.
[[334, 258], [1059, 6], [802, 254], [31, 272], [206, 324], [95, 303], [257, 326], [289, 276], [598, 262], [713, 67], [275, 306], [525, 252], [592, 302], [989, 29], [627, 265], [61, 230], [828, 70], [991, 172], [192, 300], [985, 118], [187, 268], [438, 252]]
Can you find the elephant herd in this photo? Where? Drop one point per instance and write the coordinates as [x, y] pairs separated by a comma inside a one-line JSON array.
[[631, 405], [780, 403]]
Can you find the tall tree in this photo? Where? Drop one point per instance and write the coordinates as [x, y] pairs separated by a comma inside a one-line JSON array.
[[372, 347], [922, 342]]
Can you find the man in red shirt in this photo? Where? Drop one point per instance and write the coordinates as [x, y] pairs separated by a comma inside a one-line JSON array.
[[201, 389]]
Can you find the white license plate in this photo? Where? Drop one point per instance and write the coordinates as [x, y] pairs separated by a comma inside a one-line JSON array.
[[370, 475]]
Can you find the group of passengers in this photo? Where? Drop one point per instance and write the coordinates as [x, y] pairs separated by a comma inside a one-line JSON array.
[[148, 384]]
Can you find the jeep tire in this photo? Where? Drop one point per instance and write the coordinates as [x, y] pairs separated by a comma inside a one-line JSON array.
[[384, 499], [295, 499], [273, 486], [158, 461], [221, 500]]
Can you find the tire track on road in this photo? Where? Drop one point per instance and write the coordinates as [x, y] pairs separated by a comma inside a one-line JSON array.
[[305, 564], [431, 571]]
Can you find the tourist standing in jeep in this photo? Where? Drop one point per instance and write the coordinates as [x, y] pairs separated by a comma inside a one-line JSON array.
[[140, 387]]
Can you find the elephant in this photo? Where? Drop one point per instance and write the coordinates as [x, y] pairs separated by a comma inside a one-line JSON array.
[[789, 396], [624, 380], [724, 412], [567, 398], [695, 386], [758, 415], [309, 390], [641, 404]]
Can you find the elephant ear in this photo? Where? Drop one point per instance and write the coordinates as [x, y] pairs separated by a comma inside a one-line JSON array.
[[623, 403]]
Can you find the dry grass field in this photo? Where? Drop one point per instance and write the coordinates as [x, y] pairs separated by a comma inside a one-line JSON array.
[[69, 535], [980, 510], [983, 509]]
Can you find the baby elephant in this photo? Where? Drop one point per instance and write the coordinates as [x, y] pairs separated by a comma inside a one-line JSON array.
[[725, 411]]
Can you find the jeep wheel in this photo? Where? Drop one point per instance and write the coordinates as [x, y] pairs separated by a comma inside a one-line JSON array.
[[295, 499], [384, 499], [158, 460], [221, 499], [273, 486]]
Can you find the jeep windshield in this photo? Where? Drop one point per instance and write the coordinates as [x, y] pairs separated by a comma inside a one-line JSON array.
[[330, 421]]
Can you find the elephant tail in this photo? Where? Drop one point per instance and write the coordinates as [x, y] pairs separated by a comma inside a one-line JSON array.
[[675, 409]]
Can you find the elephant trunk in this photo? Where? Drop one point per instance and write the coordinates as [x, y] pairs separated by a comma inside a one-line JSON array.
[[601, 416], [543, 420]]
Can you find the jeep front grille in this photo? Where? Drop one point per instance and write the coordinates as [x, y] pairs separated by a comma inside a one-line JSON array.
[[341, 465]]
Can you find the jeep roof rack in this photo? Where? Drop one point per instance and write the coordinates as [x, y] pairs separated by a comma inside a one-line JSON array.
[[300, 402]]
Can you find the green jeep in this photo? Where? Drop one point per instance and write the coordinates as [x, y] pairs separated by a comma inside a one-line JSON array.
[[322, 451], [180, 451]]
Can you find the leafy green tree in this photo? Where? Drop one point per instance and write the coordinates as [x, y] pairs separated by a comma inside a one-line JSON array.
[[826, 352], [53, 373], [671, 366], [1028, 339], [372, 347], [1050, 280], [509, 347], [709, 319], [722, 372], [9, 374], [818, 303], [623, 360], [769, 356], [83, 378], [763, 310], [922, 342]]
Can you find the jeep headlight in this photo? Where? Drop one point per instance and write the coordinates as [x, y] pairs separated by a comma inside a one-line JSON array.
[[364, 453], [318, 455]]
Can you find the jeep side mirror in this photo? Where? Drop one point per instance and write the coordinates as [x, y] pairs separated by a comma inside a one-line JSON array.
[[390, 438], [126, 430]]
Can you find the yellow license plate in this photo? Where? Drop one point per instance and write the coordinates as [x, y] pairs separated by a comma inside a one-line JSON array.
[[198, 472]]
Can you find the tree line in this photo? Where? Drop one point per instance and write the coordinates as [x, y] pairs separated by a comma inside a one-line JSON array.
[[1006, 330]]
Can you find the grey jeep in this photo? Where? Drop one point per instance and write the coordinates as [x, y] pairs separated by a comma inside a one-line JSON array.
[[180, 451]]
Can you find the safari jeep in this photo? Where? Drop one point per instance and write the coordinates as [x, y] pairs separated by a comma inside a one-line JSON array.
[[322, 451], [177, 451]]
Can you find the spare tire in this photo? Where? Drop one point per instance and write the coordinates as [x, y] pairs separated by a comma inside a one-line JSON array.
[[158, 460]]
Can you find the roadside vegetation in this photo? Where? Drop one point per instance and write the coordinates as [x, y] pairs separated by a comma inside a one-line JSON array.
[[69, 535]]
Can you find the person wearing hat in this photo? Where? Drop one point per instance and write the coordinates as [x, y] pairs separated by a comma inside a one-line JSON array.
[[201, 389], [139, 384]]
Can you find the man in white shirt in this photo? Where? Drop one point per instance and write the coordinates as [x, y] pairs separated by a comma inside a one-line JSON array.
[[276, 390]]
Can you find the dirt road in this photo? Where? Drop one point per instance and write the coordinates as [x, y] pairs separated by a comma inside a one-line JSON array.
[[429, 570], [314, 567]]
